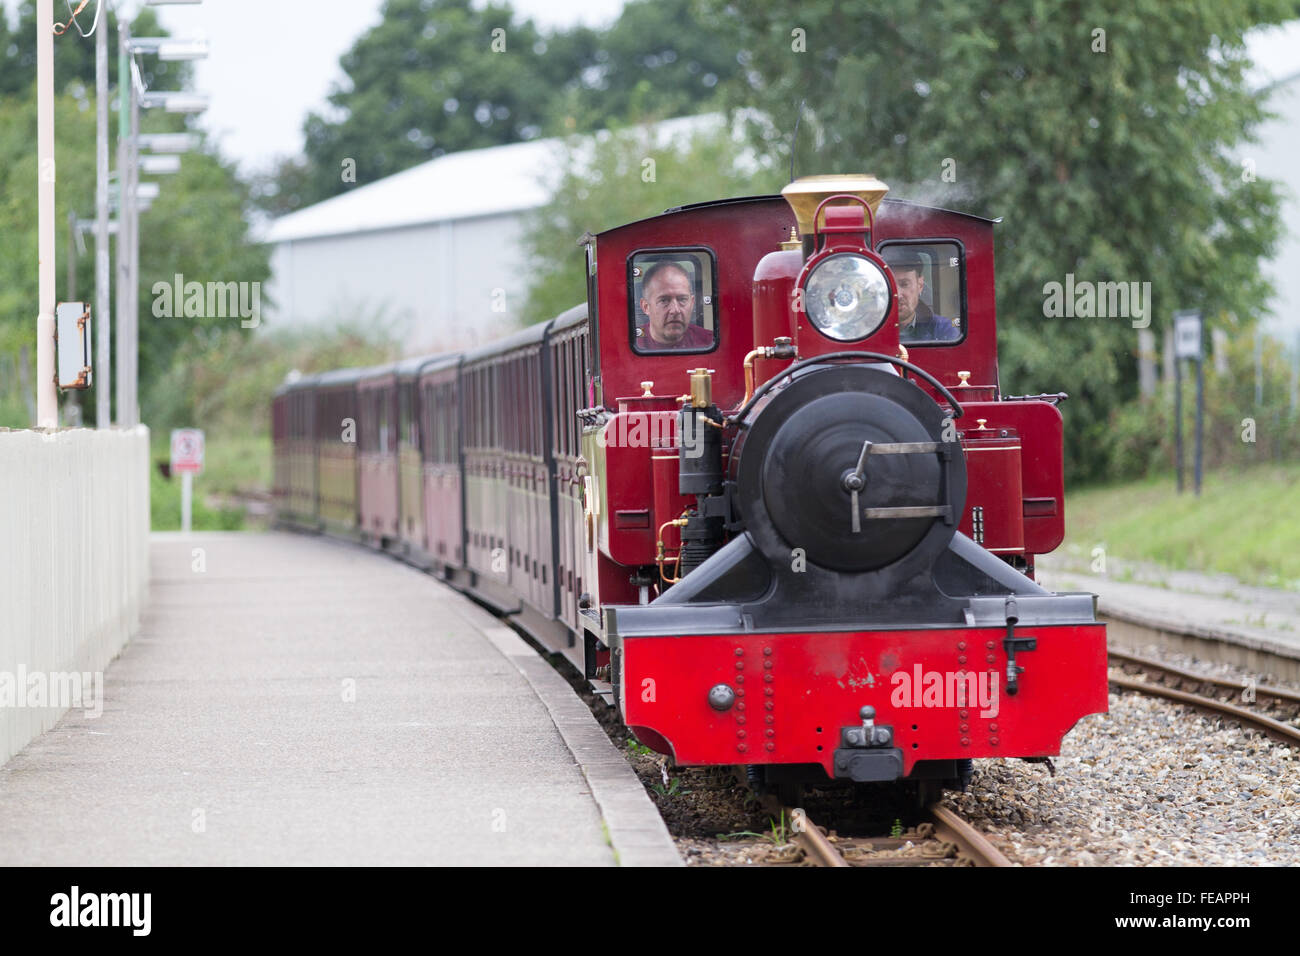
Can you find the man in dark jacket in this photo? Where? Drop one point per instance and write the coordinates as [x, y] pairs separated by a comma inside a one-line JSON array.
[[917, 322]]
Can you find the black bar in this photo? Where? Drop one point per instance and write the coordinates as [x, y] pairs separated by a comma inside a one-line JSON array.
[[1200, 416], [1178, 418]]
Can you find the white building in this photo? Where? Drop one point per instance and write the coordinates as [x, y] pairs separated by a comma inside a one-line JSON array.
[[434, 251], [1274, 157]]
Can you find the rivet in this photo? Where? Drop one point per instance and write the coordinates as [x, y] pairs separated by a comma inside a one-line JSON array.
[[961, 645], [742, 734], [965, 741], [770, 746], [961, 658], [740, 653], [990, 658], [740, 705], [740, 691], [767, 691], [768, 678], [769, 718], [963, 714], [741, 747], [771, 732], [964, 727], [767, 651], [989, 645], [767, 665], [769, 705], [740, 665], [842, 763], [993, 741], [740, 720], [993, 727]]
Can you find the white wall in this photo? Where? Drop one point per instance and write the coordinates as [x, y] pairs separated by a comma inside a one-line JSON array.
[[434, 282], [1275, 157], [74, 563]]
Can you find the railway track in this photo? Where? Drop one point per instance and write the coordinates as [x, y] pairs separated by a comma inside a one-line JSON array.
[[943, 838], [1170, 682]]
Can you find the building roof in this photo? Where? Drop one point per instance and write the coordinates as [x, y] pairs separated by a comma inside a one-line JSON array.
[[474, 182]]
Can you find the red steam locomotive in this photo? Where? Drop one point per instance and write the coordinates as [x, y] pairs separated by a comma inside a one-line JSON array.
[[764, 490]]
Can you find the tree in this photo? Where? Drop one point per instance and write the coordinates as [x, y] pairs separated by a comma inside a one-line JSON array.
[[197, 227], [432, 77], [438, 76], [1106, 133], [621, 176], [74, 55], [659, 58]]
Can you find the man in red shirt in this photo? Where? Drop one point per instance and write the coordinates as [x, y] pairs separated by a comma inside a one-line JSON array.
[[669, 302]]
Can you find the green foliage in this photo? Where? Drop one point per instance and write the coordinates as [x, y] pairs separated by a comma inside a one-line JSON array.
[[223, 384], [427, 80], [1244, 524], [657, 59], [640, 749], [1140, 439], [197, 226], [673, 789], [165, 505], [74, 55], [1114, 165], [225, 387], [607, 185]]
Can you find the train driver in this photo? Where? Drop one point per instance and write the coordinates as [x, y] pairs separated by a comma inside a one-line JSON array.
[[917, 322], [668, 301]]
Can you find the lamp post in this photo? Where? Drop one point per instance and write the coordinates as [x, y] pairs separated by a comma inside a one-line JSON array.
[[133, 97], [47, 396], [103, 371]]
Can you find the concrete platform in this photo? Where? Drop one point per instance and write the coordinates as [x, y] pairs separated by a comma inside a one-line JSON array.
[[293, 700], [1207, 607]]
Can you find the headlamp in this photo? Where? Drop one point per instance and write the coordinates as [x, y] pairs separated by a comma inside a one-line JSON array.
[[847, 297]]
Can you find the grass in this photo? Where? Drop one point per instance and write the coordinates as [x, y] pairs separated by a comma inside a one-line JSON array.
[[233, 465], [1245, 523], [777, 835]]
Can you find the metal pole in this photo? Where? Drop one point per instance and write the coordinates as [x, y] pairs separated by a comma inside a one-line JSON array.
[[1200, 416], [1259, 368], [70, 283], [1178, 418], [72, 408], [47, 398], [103, 366], [187, 499], [133, 313], [123, 215]]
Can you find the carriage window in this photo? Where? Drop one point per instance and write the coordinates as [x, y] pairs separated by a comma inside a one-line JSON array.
[[931, 291], [671, 295]]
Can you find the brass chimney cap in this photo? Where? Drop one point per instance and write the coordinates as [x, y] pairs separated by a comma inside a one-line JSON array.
[[806, 193]]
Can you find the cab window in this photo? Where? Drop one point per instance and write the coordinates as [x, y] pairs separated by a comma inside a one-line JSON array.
[[931, 279], [671, 301]]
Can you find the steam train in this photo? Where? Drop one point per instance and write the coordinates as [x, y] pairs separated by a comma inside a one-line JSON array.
[[764, 489]]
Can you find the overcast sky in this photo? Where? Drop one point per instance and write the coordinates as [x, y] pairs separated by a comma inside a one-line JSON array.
[[272, 61]]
